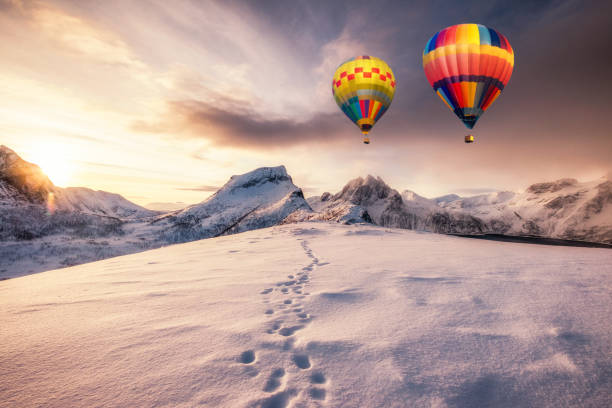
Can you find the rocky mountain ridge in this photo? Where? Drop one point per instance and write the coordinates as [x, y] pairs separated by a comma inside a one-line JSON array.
[[562, 209]]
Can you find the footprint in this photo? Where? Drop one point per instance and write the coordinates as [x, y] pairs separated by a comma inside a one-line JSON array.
[[269, 311], [247, 357], [266, 291], [288, 301], [289, 283], [274, 380], [303, 315], [317, 393], [288, 345], [284, 290], [289, 331], [290, 276], [302, 361], [298, 309], [275, 326], [318, 378], [279, 400]]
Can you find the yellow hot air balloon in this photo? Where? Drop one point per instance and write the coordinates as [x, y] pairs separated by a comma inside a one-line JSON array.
[[363, 88]]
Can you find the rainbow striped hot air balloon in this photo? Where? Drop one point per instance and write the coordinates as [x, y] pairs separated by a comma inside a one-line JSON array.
[[363, 88], [468, 65]]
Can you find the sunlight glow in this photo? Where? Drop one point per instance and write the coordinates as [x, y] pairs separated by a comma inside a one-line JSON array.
[[53, 161]]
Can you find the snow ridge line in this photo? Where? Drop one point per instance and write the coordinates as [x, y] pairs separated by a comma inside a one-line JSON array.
[[286, 298]]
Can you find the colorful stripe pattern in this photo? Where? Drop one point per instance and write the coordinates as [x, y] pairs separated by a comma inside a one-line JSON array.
[[363, 88], [468, 65]]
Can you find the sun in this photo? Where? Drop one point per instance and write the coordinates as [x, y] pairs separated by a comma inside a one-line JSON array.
[[59, 173], [53, 161]]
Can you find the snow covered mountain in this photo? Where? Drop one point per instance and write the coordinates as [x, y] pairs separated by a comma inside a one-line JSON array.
[[99, 202], [370, 199], [258, 199], [565, 209], [22, 183], [43, 226]]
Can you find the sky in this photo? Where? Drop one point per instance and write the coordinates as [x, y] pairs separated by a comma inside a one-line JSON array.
[[163, 101]]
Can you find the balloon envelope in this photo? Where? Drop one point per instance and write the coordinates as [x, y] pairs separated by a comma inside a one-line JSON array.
[[363, 88], [468, 65]]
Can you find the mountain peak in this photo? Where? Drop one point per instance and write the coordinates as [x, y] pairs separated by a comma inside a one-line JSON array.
[[25, 177], [258, 176], [257, 199], [360, 190]]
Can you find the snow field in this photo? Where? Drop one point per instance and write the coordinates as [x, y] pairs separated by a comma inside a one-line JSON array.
[[315, 314]]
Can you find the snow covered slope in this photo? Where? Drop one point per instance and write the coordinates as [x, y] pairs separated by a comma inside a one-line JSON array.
[[314, 315], [563, 209], [258, 199], [99, 202]]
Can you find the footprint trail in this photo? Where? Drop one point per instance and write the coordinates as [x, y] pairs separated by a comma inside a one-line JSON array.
[[287, 298]]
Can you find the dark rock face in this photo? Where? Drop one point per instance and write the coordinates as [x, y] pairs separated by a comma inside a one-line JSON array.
[[364, 191], [563, 201], [445, 223], [551, 187], [531, 228], [603, 197]]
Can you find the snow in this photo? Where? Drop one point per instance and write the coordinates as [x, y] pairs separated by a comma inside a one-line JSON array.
[[315, 314], [257, 199], [90, 225], [99, 202], [565, 209]]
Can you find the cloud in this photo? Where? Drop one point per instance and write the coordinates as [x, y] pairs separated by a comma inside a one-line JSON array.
[[74, 34], [475, 191], [199, 188], [230, 123]]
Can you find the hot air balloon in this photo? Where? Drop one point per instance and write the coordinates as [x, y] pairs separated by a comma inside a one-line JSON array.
[[468, 65], [363, 88]]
